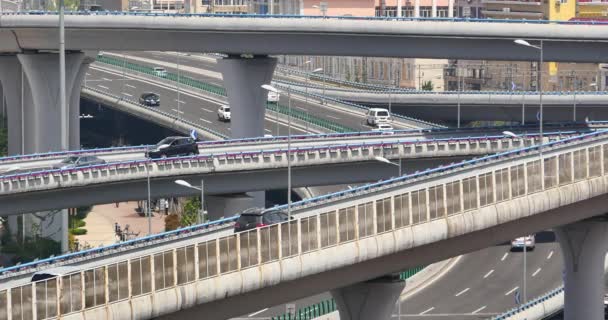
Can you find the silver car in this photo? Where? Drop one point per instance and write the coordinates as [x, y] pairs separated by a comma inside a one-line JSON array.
[[78, 161]]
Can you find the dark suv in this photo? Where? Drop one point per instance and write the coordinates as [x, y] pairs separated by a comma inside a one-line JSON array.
[[259, 217], [149, 99], [173, 147]]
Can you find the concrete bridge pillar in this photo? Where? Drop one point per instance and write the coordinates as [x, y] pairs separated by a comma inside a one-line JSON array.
[[584, 245], [32, 97], [243, 80], [370, 300]]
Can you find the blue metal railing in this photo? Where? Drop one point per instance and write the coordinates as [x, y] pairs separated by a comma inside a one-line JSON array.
[[285, 16], [530, 304]]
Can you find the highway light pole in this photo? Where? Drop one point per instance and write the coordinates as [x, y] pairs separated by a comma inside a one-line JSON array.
[[458, 79], [540, 147], [178, 101], [307, 79], [277, 91], [201, 214], [149, 206], [539, 87]]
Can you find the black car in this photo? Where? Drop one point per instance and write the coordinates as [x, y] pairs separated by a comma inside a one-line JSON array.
[[149, 99], [259, 217], [172, 147], [78, 161]]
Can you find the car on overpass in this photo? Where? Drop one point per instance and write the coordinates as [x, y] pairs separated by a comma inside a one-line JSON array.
[[384, 128], [223, 113], [273, 96], [259, 217], [78, 161], [528, 242], [149, 99], [160, 72], [173, 147]]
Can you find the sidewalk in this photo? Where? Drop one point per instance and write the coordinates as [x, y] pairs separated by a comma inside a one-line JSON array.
[[100, 223]]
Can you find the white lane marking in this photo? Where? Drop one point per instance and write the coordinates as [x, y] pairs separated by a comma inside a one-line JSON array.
[[88, 74], [126, 94], [130, 86], [267, 130], [335, 118], [103, 87], [258, 312], [178, 111], [303, 109], [207, 110], [474, 312], [462, 292], [106, 79], [205, 120], [550, 255], [179, 101], [536, 272], [511, 291], [489, 273], [427, 310], [504, 257]]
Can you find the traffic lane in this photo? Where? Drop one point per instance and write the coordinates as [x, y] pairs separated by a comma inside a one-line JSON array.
[[189, 60], [133, 88], [480, 283], [191, 107], [281, 309], [172, 68], [312, 106]]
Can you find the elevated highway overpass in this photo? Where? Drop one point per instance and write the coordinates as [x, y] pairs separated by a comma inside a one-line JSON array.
[[302, 35], [255, 166], [351, 237]]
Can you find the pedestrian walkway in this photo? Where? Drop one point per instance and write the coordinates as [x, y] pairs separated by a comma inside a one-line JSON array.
[[100, 223]]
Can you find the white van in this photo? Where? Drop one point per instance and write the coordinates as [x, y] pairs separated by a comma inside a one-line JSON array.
[[529, 242], [375, 116], [160, 72]]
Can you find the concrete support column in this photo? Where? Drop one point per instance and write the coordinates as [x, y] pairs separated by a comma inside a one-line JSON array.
[[243, 80], [74, 106], [434, 8], [10, 77], [416, 8], [42, 73], [584, 245], [450, 8], [371, 300]]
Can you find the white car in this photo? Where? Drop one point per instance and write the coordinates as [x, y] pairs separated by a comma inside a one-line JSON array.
[[160, 72], [273, 96], [376, 116], [223, 113], [384, 128], [529, 242]]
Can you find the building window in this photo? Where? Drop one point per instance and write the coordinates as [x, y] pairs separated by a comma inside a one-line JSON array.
[[425, 12]]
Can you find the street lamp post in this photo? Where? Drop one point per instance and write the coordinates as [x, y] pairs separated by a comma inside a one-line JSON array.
[[201, 214], [540, 147], [575, 87], [149, 207], [277, 91], [458, 80]]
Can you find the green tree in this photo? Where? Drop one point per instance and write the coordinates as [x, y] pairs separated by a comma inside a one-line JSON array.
[[427, 86], [190, 213]]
